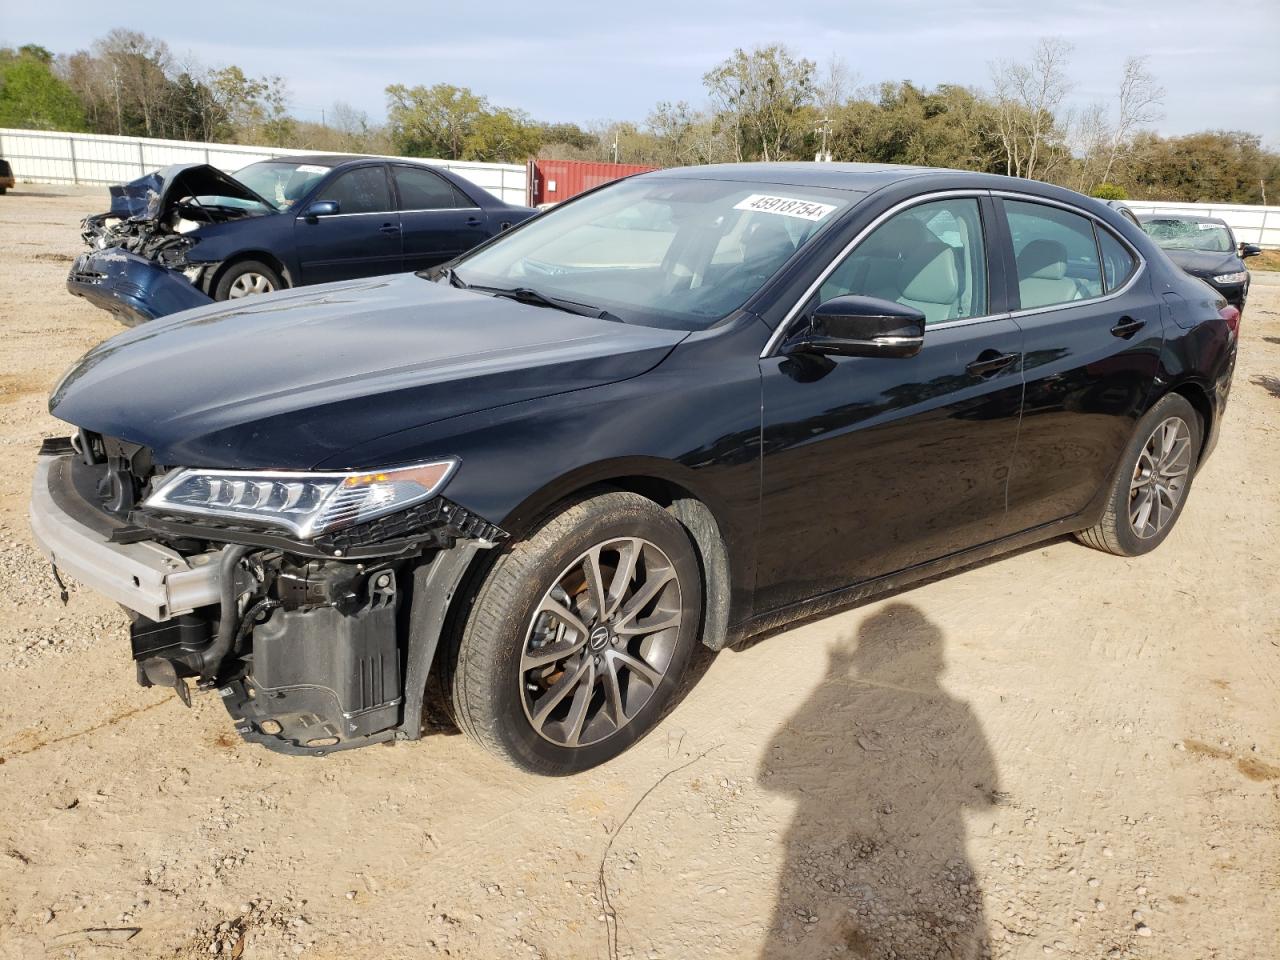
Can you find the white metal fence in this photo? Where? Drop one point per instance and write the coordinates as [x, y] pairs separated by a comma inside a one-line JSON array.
[[40, 156], [1250, 224]]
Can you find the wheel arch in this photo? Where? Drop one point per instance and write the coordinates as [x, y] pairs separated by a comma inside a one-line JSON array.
[[263, 256], [668, 484], [1196, 394]]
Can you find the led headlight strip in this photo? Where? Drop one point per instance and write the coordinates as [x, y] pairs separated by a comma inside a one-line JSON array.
[[304, 503]]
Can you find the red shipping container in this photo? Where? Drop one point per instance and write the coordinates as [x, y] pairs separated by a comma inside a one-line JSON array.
[[551, 181]]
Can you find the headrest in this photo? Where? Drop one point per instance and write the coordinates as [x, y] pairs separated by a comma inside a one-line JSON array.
[[897, 238], [767, 240], [1043, 260], [931, 275]]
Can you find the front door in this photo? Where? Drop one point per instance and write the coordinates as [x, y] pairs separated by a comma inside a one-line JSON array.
[[361, 240], [872, 466]]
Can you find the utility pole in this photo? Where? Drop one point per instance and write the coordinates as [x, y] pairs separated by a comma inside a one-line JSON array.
[[824, 125]]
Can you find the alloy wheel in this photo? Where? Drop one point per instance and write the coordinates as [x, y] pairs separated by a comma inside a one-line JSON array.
[[600, 642], [248, 284], [1160, 477]]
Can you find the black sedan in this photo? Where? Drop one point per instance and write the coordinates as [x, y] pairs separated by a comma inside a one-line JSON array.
[[684, 408], [179, 237], [1206, 248]]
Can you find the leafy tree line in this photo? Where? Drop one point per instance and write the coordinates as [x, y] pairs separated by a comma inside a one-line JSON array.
[[763, 104]]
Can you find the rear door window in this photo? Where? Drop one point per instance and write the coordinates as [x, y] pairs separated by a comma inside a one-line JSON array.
[[424, 190], [1055, 254]]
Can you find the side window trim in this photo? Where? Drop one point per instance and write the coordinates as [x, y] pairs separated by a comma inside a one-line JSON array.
[[1097, 223], [783, 329]]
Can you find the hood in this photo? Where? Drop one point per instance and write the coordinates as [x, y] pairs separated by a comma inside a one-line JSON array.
[[1203, 263], [149, 197], [292, 379]]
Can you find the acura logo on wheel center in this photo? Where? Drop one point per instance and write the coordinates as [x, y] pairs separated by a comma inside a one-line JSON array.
[[598, 638]]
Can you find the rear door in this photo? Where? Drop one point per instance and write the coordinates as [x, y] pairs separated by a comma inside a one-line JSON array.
[[1092, 335], [437, 219], [362, 239], [875, 465]]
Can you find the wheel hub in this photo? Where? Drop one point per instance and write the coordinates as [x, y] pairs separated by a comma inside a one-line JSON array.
[[1160, 477], [600, 642]]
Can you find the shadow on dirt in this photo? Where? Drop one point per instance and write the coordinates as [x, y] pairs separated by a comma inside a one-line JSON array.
[[882, 761], [1268, 383]]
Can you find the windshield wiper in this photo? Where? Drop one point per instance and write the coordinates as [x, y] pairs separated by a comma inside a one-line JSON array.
[[532, 297]]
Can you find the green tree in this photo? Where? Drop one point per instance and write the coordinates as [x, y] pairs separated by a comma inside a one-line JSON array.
[[433, 121], [502, 136], [759, 99], [32, 97]]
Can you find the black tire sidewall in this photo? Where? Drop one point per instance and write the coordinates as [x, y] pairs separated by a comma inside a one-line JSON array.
[[605, 517], [222, 288], [1169, 406]]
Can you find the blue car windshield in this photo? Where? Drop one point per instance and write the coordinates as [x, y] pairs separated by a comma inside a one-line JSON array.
[[281, 184], [659, 251]]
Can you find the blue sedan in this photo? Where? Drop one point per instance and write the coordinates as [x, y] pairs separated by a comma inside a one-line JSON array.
[[188, 234]]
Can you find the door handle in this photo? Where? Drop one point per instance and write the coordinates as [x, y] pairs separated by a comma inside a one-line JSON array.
[[389, 228], [1126, 327], [990, 362], [473, 221]]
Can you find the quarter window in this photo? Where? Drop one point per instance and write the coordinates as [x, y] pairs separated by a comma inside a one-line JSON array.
[[930, 257], [362, 190], [1118, 263], [424, 190], [1056, 257]]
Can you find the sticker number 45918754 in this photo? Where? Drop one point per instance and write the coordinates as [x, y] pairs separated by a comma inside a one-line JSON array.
[[784, 206]]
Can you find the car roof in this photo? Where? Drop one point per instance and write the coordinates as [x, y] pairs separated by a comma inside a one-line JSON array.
[[862, 177], [1189, 217]]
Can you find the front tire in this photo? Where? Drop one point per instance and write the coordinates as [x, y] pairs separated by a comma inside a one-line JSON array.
[[578, 636], [247, 278], [1151, 485]]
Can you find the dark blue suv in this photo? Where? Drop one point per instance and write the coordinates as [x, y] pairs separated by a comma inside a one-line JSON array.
[[177, 238]]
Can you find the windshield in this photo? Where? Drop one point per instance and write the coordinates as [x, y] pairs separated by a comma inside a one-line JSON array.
[[1175, 234], [663, 252], [283, 184]]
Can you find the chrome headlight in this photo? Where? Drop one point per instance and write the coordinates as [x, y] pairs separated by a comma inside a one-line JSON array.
[[1232, 277], [304, 503]]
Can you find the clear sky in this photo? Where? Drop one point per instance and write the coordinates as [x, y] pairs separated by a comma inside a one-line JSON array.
[[583, 60]]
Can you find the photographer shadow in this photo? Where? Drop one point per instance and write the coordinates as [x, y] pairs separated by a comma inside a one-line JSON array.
[[882, 762]]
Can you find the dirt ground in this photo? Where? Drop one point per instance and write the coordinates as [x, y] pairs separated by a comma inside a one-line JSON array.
[[1058, 753]]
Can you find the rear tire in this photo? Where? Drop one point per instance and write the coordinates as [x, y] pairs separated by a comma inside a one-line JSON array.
[[1153, 480], [247, 278], [621, 664]]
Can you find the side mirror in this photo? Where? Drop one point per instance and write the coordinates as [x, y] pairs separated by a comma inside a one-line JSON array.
[[320, 208], [1249, 250], [860, 327]]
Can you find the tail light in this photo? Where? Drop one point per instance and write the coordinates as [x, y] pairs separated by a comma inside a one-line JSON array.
[[1232, 316]]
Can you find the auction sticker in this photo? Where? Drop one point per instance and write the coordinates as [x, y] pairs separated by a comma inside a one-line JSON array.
[[785, 206]]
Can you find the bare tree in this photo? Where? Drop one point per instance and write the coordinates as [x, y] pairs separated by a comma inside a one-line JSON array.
[[1140, 102], [1028, 99], [1090, 137]]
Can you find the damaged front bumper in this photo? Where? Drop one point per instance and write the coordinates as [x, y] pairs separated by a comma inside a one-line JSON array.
[[131, 287], [310, 653]]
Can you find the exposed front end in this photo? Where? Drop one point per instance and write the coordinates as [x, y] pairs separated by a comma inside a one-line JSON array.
[[306, 641]]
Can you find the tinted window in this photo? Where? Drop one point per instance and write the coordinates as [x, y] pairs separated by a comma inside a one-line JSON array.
[[363, 190], [424, 190], [929, 257], [1117, 262], [1057, 259]]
